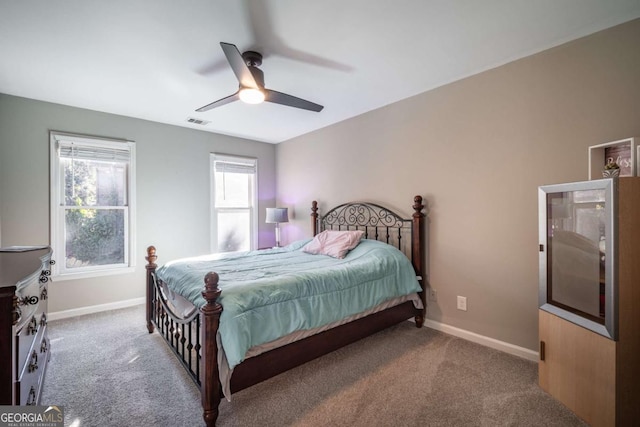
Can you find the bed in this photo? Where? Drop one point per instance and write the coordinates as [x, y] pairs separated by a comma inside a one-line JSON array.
[[196, 329]]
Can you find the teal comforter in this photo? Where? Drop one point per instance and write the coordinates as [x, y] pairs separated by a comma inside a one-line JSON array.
[[270, 293]]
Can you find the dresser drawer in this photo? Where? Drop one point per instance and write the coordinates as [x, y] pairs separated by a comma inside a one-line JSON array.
[[24, 343], [31, 327], [31, 377], [29, 339], [28, 301], [28, 386]]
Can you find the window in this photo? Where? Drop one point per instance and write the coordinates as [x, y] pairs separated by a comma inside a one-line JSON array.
[[92, 200], [234, 198]]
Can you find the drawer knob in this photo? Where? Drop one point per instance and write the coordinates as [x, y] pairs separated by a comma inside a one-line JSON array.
[[33, 364], [43, 319], [31, 400], [44, 276], [32, 300], [44, 294], [32, 329], [44, 347]]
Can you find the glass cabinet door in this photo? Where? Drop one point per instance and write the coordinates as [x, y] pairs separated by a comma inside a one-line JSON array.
[[576, 252]]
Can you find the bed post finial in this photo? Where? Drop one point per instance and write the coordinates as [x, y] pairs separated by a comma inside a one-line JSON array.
[[418, 206], [151, 268], [210, 379], [417, 253], [151, 256], [314, 217]]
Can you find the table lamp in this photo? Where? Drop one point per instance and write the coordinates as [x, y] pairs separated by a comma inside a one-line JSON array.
[[277, 216]]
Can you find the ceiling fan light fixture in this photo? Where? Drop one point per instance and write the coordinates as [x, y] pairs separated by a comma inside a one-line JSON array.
[[251, 83], [251, 95]]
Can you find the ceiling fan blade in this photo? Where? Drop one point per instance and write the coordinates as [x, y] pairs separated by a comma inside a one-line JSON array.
[[239, 67], [290, 101], [220, 102]]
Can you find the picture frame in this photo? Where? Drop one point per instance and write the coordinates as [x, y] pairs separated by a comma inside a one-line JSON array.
[[625, 152]]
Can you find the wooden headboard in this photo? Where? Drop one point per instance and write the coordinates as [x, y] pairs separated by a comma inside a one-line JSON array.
[[378, 223]]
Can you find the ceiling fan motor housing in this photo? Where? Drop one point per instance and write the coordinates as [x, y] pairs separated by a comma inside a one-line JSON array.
[[252, 59]]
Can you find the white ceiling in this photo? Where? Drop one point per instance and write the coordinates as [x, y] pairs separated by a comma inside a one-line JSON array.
[[161, 59]]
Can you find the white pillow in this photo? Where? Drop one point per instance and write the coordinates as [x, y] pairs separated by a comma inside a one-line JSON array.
[[334, 243]]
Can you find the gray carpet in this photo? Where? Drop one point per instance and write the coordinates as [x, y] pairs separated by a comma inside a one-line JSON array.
[[106, 370]]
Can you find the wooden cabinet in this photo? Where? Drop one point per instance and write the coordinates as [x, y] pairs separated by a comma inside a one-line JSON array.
[[24, 344], [578, 369], [596, 376]]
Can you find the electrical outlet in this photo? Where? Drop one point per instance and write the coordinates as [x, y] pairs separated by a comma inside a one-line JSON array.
[[433, 295], [462, 303]]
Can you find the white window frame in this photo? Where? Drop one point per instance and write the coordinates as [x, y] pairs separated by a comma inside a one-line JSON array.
[[253, 208], [57, 212]]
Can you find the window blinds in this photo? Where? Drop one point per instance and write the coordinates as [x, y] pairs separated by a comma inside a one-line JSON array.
[[226, 166], [111, 152]]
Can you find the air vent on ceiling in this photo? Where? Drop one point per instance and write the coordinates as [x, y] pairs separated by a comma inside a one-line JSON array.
[[198, 121]]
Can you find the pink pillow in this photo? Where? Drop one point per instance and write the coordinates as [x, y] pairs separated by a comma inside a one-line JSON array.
[[334, 243]]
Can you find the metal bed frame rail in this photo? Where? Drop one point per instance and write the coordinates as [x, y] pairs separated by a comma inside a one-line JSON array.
[[182, 334]]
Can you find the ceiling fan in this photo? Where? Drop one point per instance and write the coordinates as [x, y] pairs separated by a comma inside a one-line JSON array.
[[251, 79]]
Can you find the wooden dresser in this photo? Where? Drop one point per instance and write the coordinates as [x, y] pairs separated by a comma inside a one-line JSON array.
[[24, 345]]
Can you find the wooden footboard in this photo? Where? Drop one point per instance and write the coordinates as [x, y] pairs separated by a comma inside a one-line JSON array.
[[193, 338], [181, 333]]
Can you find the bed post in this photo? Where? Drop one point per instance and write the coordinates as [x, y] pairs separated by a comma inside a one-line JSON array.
[[417, 253], [314, 217], [210, 388], [151, 268]]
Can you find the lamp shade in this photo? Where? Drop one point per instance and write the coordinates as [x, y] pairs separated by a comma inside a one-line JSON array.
[[277, 215]]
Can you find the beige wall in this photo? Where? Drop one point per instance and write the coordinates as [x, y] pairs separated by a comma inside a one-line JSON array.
[[477, 149], [172, 182]]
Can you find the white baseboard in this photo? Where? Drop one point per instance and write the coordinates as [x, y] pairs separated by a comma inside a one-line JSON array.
[[451, 330], [525, 353], [95, 308]]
